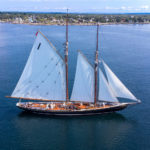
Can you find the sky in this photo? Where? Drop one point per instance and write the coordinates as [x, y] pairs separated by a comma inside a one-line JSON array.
[[96, 6]]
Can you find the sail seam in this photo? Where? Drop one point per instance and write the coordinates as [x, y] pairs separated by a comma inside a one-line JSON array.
[[46, 78]]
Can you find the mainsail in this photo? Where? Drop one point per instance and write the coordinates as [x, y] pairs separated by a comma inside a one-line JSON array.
[[83, 89], [116, 85], [44, 74], [105, 93]]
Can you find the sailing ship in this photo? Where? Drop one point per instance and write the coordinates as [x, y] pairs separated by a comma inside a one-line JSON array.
[[44, 82]]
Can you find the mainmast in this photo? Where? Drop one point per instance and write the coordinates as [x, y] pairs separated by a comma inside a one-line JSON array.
[[96, 67], [66, 59]]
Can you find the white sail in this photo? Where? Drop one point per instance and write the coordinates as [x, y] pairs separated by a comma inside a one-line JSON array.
[[83, 89], [105, 93], [117, 86], [44, 74]]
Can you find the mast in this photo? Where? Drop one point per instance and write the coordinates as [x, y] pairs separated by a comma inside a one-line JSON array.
[[96, 68], [66, 59]]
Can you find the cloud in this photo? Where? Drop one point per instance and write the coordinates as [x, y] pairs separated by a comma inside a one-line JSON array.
[[101, 6], [124, 8], [145, 7], [129, 8]]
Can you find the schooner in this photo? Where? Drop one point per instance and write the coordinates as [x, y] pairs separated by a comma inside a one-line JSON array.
[[44, 82]]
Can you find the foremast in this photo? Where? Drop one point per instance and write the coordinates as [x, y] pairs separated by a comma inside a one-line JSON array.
[[66, 59], [96, 68]]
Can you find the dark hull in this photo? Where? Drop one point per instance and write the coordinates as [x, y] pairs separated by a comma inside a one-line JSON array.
[[76, 112]]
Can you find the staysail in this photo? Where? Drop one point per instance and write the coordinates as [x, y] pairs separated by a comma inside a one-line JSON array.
[[83, 89], [44, 74], [116, 85], [105, 93]]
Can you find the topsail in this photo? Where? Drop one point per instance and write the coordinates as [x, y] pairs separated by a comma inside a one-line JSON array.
[[116, 85], [44, 74]]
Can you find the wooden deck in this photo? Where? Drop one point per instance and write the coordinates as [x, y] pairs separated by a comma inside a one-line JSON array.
[[61, 106]]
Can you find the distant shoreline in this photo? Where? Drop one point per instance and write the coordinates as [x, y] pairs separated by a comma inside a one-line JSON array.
[[73, 19], [74, 24]]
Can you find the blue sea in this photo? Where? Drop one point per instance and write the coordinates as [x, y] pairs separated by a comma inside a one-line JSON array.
[[125, 48]]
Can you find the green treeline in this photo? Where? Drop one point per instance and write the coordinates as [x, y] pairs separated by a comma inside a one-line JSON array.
[[59, 18]]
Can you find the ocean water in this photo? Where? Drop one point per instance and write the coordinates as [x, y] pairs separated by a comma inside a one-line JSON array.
[[125, 48]]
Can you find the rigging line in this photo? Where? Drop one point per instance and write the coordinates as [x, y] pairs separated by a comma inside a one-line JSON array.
[[103, 37], [57, 41], [85, 58], [53, 40], [51, 45]]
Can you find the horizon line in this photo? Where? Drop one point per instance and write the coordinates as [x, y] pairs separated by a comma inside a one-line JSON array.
[[59, 12]]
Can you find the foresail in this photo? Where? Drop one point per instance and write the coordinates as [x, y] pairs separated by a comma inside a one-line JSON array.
[[44, 74], [117, 86], [83, 89], [105, 93]]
